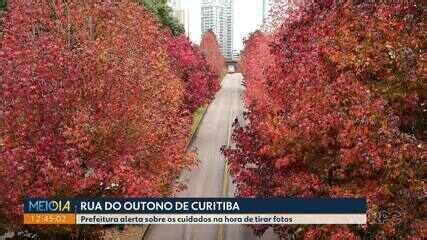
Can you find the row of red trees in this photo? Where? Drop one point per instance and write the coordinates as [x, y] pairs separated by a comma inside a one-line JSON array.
[[211, 49], [96, 100], [194, 69], [336, 100]]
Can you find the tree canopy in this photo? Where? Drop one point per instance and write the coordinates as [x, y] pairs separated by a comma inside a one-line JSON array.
[[336, 108], [164, 15]]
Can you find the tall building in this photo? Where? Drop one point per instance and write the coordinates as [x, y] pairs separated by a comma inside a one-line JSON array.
[[266, 6], [217, 15], [183, 15]]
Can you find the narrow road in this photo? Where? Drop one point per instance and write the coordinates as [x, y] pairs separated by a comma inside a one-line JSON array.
[[207, 180]]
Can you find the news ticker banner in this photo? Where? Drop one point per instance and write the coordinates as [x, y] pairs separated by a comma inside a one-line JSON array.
[[195, 211]]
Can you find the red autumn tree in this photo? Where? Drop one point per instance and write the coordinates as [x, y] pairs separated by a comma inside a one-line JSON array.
[[256, 68], [89, 104], [340, 94], [278, 12], [211, 50], [191, 67]]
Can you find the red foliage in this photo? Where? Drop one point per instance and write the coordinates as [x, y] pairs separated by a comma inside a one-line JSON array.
[[329, 116], [211, 49], [89, 104], [256, 68], [191, 67]]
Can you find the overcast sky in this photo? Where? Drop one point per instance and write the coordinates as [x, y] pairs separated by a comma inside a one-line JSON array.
[[247, 17]]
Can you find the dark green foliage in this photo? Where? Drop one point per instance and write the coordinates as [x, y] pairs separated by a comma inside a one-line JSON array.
[[164, 15], [3, 4]]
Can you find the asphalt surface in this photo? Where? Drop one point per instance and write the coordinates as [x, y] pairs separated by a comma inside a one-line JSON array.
[[210, 179]]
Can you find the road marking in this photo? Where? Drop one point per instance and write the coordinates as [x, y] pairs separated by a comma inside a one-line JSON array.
[[225, 180]]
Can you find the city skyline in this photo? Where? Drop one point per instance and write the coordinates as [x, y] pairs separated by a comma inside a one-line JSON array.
[[217, 15], [244, 22]]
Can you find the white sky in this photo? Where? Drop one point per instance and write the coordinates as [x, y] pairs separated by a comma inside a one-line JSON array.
[[247, 18]]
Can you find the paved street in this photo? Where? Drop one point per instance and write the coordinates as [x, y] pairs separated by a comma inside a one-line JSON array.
[[207, 180]]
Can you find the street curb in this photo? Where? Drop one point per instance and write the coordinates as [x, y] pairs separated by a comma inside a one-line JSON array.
[[203, 115], [225, 181], [144, 234], [196, 130]]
